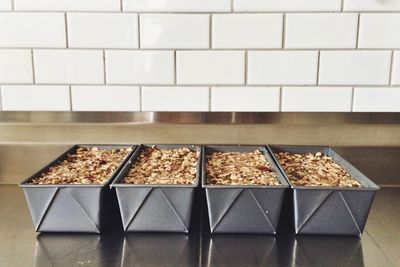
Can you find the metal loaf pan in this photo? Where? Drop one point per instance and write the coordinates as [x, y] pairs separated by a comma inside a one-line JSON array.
[[329, 210], [71, 207], [243, 208], [155, 207]]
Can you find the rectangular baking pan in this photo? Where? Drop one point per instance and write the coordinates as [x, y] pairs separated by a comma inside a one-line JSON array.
[[243, 208], [158, 207], [70, 207], [329, 210]]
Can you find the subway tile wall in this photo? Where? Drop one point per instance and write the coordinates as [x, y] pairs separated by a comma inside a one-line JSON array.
[[200, 55]]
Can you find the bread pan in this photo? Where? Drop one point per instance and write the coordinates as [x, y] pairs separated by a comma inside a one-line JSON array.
[[70, 207], [243, 208], [155, 207], [329, 210]]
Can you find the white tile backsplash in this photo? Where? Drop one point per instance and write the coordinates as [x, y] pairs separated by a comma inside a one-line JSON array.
[[177, 5], [32, 30], [321, 30], [379, 99], [379, 31], [35, 97], [105, 98], [282, 67], [200, 55], [140, 67], [175, 98], [15, 66], [67, 5], [210, 67], [371, 5], [5, 5], [308, 99], [174, 31], [287, 5], [103, 30], [68, 66], [396, 68], [247, 31], [245, 98], [354, 67]]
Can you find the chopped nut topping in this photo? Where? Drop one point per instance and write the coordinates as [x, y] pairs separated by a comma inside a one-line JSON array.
[[237, 168], [164, 166], [315, 170], [85, 166]]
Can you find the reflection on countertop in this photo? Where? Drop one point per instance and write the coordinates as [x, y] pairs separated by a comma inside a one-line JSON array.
[[21, 246]]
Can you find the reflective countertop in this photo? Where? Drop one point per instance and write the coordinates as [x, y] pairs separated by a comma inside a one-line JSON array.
[[379, 245], [21, 246]]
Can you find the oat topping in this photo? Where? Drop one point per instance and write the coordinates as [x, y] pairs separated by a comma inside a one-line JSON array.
[[238, 168], [86, 166], [164, 166], [315, 170]]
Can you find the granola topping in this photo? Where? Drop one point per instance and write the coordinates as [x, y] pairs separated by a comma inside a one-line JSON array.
[[238, 168]]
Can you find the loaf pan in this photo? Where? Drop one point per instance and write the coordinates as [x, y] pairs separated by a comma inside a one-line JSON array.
[[243, 208], [329, 210], [155, 207], [70, 207]]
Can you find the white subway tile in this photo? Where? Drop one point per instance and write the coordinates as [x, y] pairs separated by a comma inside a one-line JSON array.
[[371, 5], [67, 5], [177, 5], [396, 68], [282, 67], [379, 31], [174, 31], [15, 66], [32, 30], [105, 98], [323, 99], [68, 66], [140, 67], [245, 98], [5, 5], [35, 98], [103, 30], [247, 31], [321, 30], [377, 99], [175, 98], [210, 67], [286, 5], [354, 67]]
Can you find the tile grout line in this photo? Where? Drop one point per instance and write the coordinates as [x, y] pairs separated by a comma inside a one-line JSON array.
[[139, 31], [209, 98], [104, 67], [341, 6], [12, 5], [283, 31], [391, 70], [318, 63], [280, 98], [246, 65], [358, 30], [33, 67], [175, 69], [232, 6], [210, 46], [121, 6], [352, 99], [66, 30], [70, 97]]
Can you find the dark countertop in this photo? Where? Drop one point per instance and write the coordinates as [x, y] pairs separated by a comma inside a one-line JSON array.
[[21, 246], [379, 245]]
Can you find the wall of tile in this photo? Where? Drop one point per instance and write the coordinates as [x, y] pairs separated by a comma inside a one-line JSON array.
[[200, 55]]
